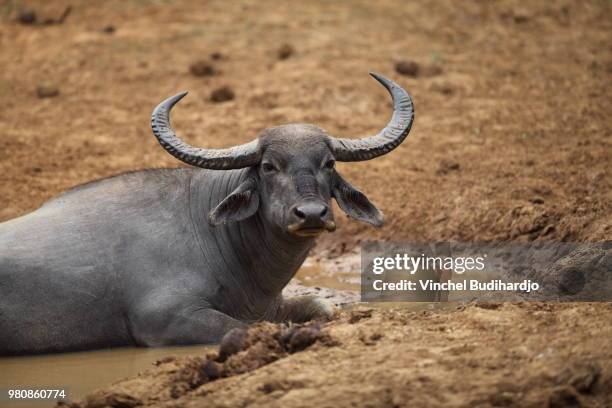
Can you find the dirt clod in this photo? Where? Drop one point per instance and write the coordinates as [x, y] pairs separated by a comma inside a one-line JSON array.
[[408, 68], [233, 342], [521, 16], [109, 29], [211, 369], [202, 68], [285, 51], [27, 17], [47, 90], [270, 386], [303, 338], [222, 94], [370, 339], [359, 314]]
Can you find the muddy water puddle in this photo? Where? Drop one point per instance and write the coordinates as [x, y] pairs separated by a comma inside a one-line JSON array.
[[78, 373], [340, 274], [338, 280]]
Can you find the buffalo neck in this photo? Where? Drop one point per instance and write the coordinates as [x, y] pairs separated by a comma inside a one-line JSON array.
[[252, 257]]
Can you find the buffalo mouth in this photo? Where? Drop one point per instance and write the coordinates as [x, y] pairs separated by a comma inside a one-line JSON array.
[[311, 230]]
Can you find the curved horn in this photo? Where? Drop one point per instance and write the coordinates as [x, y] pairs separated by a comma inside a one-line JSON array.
[[389, 138], [217, 159]]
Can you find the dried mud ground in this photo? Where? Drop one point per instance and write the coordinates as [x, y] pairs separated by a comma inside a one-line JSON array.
[[512, 141], [527, 355]]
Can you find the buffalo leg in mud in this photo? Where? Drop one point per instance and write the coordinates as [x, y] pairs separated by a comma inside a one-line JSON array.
[[201, 326]]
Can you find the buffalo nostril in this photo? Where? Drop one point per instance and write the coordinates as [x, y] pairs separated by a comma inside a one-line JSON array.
[[299, 213], [324, 211]]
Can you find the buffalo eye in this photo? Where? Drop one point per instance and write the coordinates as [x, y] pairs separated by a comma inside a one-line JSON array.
[[269, 167], [330, 164]]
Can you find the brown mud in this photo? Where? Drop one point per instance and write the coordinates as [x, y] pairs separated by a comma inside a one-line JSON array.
[[512, 141], [507, 355], [511, 138]]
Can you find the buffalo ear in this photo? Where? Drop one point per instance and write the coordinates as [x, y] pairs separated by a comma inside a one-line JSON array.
[[354, 203], [239, 205]]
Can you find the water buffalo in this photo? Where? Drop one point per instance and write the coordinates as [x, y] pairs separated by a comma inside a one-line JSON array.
[[181, 256]]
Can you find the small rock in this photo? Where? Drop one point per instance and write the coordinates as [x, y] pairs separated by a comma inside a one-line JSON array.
[[47, 90], [233, 342], [202, 68], [271, 386], [222, 94], [370, 340], [216, 56], [537, 200], [285, 51], [27, 17], [109, 29], [303, 338], [408, 68], [211, 369], [176, 391], [376, 336]]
